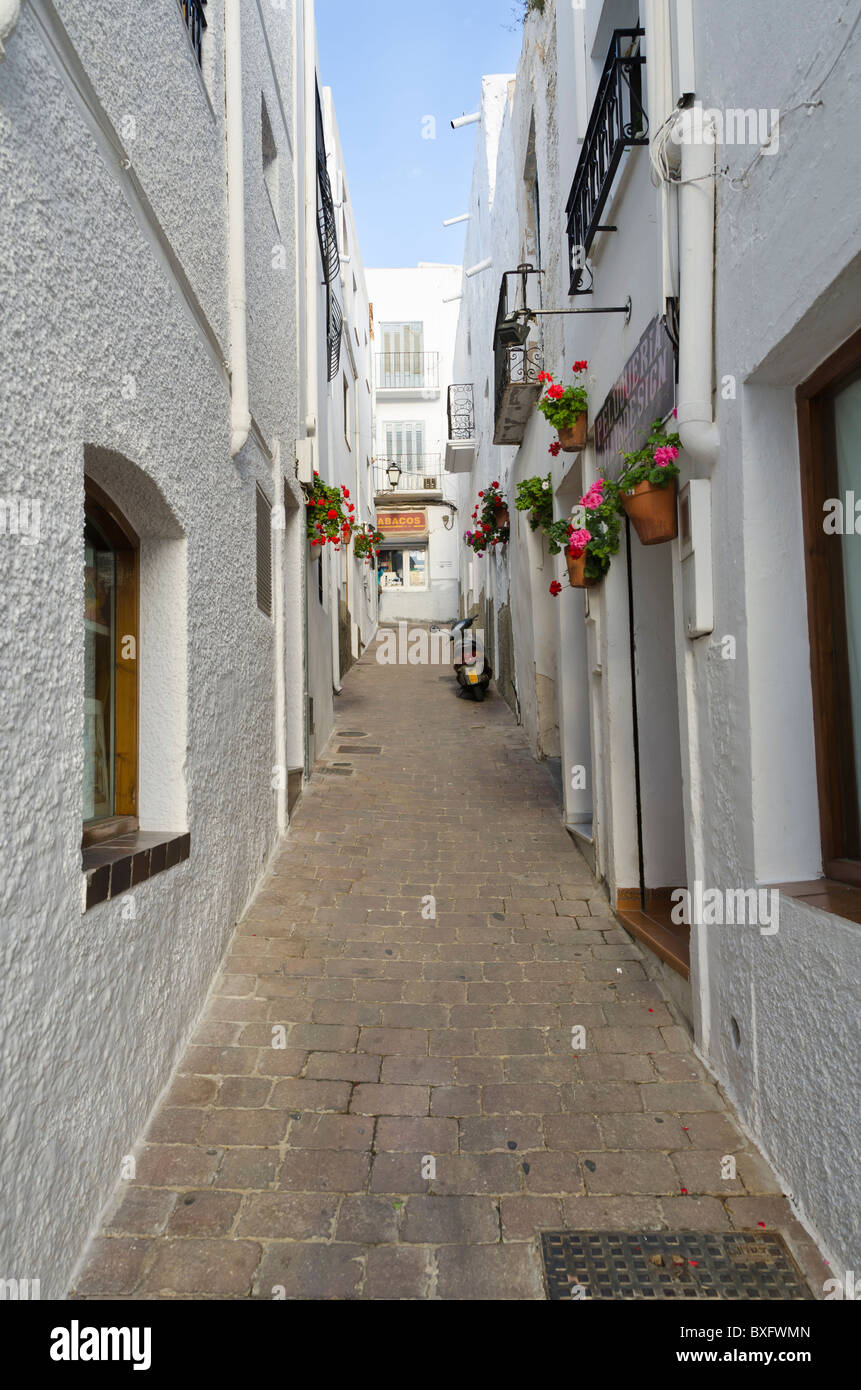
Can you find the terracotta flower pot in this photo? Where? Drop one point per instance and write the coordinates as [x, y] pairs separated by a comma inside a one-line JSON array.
[[653, 511], [573, 437], [501, 517], [577, 572]]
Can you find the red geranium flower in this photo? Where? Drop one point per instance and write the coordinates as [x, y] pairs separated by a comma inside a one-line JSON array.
[[332, 514], [555, 588], [580, 366], [555, 448], [544, 376], [555, 392]]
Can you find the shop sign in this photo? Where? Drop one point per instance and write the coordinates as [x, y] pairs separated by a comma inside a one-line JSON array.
[[645, 391], [400, 525]]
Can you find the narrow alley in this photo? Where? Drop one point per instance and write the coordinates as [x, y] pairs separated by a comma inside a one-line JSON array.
[[382, 1099]]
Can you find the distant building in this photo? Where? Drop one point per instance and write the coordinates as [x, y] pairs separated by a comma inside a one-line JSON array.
[[415, 320]]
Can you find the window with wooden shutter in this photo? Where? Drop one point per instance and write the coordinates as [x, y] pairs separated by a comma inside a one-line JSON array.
[[264, 553]]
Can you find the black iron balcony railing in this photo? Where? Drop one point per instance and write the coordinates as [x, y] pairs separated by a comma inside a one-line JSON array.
[[618, 120], [516, 365], [419, 473], [461, 411], [405, 371], [193, 14]]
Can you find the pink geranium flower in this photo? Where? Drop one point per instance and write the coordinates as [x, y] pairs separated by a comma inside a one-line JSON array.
[[665, 454]]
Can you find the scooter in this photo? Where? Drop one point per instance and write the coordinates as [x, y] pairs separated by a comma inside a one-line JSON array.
[[473, 682]]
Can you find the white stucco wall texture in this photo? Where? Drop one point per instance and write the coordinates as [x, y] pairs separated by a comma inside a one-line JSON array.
[[114, 329]]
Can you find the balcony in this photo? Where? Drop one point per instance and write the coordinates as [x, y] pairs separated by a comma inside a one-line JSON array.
[[419, 473], [618, 121], [516, 368], [460, 448], [404, 374]]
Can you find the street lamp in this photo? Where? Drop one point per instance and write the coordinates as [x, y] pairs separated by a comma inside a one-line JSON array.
[[393, 473]]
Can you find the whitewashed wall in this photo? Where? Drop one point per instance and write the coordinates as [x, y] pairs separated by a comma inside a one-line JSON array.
[[117, 274]]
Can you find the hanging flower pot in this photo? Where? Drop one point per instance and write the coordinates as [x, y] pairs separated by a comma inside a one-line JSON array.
[[577, 571], [652, 510], [573, 437], [501, 517], [566, 408]]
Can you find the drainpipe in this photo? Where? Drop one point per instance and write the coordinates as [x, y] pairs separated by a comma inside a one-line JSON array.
[[696, 423], [240, 414], [279, 615]]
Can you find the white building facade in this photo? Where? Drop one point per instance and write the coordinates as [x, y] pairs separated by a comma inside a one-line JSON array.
[[415, 314], [704, 728], [163, 374]]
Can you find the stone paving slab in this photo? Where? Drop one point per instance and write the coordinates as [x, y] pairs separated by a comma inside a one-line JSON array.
[[381, 1099]]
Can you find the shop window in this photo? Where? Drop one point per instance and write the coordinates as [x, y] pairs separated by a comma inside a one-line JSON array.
[[829, 419], [110, 790], [400, 568]]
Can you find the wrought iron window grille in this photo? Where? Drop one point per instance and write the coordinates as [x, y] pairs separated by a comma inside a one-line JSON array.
[[195, 19], [461, 411], [618, 121], [334, 325]]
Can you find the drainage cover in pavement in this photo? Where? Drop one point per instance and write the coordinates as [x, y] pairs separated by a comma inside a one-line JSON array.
[[666, 1264], [358, 748]]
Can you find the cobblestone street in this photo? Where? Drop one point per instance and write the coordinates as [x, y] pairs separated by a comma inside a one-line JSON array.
[[301, 1170]]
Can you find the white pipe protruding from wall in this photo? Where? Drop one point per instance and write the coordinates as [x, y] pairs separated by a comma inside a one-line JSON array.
[[465, 120], [451, 221], [279, 540], [9, 13], [479, 267], [696, 422], [240, 412]]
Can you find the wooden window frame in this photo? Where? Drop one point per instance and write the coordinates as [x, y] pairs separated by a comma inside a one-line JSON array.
[[126, 543], [829, 667]]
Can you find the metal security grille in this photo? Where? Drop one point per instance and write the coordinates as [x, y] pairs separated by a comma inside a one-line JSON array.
[[326, 225], [683, 1265], [193, 14], [264, 553]]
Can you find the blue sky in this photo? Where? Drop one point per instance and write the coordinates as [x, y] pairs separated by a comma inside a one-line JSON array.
[[389, 67]]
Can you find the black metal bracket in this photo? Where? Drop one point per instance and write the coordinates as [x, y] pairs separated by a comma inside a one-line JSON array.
[[612, 309]]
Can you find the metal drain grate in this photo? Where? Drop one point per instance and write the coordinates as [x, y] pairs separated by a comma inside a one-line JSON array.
[[358, 748], [668, 1264]]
